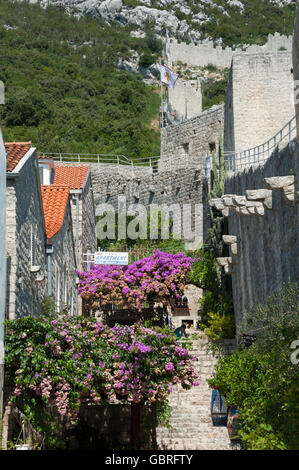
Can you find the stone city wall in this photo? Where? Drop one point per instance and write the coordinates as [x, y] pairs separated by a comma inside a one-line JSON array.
[[195, 138], [260, 99], [201, 55], [182, 186], [184, 101], [296, 66], [263, 219]]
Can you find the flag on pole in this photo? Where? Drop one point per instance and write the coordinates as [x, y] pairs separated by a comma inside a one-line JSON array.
[[168, 76]]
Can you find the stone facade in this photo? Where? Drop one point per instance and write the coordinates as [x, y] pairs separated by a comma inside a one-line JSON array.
[[63, 265], [87, 234], [263, 220], [260, 99], [84, 227], [26, 257], [195, 138]]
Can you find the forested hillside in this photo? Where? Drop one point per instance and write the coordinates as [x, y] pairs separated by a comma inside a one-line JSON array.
[[62, 90]]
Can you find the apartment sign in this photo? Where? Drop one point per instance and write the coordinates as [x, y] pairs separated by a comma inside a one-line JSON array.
[[111, 258]]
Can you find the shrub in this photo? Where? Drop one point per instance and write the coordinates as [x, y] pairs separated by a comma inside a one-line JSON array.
[[146, 60], [220, 326], [261, 380]]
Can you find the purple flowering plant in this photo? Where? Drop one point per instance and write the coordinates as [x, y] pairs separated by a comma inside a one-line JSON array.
[[66, 361], [159, 277]]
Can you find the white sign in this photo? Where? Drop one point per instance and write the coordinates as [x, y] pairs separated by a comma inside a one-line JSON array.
[[111, 258]]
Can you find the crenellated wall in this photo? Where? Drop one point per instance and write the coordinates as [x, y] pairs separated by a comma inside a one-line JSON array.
[[201, 55]]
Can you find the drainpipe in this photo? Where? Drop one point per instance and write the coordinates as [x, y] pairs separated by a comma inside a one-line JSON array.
[[2, 263], [49, 251]]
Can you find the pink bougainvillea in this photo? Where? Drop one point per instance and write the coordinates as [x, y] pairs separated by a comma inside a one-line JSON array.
[[95, 362], [157, 277]]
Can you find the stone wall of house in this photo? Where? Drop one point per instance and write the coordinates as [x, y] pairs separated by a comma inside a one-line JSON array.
[[86, 221], [263, 218], [25, 243], [88, 236], [180, 187], [194, 138], [260, 98], [64, 265]]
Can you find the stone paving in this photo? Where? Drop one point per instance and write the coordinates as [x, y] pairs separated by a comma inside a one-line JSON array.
[[192, 427]]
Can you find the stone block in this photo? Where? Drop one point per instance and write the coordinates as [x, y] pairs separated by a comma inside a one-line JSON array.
[[258, 194]]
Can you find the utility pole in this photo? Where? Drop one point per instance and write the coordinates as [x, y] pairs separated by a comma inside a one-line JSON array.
[[2, 262]]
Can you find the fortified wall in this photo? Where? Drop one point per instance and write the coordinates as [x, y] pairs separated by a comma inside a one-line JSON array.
[[195, 138], [201, 55], [260, 99], [184, 101], [263, 220], [181, 185]]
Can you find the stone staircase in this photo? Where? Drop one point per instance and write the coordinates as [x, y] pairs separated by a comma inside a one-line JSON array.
[[192, 427]]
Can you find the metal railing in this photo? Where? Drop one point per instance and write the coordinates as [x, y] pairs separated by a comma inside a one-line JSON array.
[[101, 159], [164, 162], [259, 154]]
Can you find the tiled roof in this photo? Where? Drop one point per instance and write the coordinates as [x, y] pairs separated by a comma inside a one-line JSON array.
[[15, 152], [55, 199], [73, 176]]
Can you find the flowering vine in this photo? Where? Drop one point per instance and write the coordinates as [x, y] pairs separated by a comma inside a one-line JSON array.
[[160, 276], [67, 361]]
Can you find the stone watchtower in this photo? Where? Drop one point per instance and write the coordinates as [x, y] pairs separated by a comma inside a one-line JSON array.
[[259, 100]]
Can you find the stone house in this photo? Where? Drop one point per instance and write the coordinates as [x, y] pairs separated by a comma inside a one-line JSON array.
[[26, 232], [41, 250], [77, 178], [60, 252]]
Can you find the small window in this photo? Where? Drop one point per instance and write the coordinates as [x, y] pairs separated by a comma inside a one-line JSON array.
[[212, 146], [186, 148]]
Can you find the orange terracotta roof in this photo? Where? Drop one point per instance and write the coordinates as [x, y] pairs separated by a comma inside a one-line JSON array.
[[55, 199], [15, 152], [73, 176]]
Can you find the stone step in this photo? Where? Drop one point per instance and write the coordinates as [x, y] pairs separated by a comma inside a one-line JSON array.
[[192, 427], [194, 445], [193, 435]]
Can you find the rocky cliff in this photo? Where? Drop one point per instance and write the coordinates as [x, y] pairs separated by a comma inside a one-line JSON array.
[[190, 20]]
